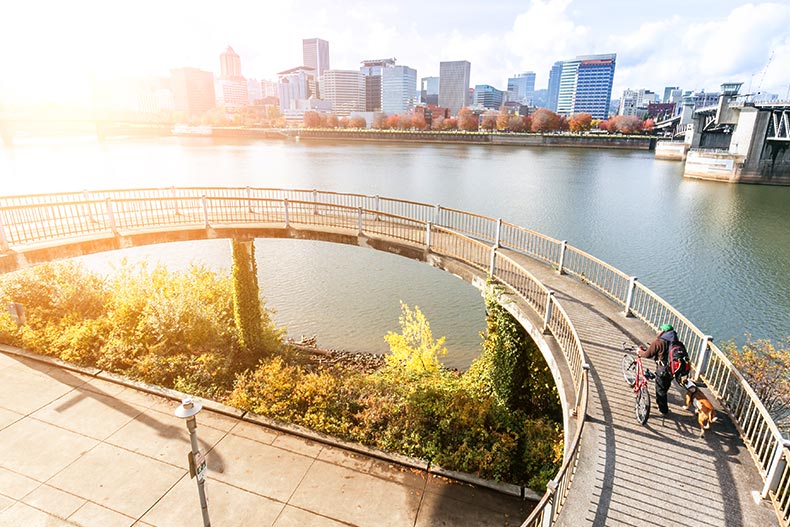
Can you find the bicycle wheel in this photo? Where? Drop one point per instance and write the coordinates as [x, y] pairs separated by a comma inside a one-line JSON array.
[[642, 405], [629, 369]]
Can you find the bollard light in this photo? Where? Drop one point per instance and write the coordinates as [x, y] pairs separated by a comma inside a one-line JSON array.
[[197, 463]]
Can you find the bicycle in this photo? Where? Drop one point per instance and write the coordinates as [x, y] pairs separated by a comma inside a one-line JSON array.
[[636, 375]]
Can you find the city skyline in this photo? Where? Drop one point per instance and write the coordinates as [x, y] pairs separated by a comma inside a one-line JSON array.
[[716, 40]]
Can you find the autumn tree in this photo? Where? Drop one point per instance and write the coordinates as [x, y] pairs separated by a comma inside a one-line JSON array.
[[544, 120], [467, 120], [312, 120], [357, 122], [766, 367], [332, 121], [379, 122], [489, 121], [503, 119], [647, 125], [580, 122], [405, 122], [414, 350], [451, 123], [392, 122], [516, 124], [418, 121]]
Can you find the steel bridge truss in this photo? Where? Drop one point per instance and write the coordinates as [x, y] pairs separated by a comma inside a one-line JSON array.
[[779, 125]]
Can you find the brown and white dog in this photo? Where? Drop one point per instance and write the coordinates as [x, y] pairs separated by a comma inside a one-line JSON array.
[[705, 411]]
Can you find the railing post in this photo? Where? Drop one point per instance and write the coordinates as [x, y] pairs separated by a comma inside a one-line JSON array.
[[498, 233], [548, 514], [204, 199], [285, 207], [704, 356], [87, 198], [776, 469], [582, 378], [376, 202], [437, 213], [249, 200], [547, 315], [359, 220], [3, 240], [562, 256], [175, 200], [492, 265], [110, 215], [315, 204], [629, 298], [428, 236]]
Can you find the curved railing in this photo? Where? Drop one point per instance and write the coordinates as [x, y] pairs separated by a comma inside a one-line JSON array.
[[471, 238]]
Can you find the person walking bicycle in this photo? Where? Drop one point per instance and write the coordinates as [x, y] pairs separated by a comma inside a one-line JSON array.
[[659, 351]]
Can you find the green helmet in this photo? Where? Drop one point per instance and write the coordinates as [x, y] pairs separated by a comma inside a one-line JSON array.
[[667, 327]]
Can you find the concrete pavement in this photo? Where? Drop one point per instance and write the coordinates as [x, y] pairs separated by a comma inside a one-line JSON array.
[[80, 450]]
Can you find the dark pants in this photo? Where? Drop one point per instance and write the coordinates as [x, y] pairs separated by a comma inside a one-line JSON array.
[[663, 382]]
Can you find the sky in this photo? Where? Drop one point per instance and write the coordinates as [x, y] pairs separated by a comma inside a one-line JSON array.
[[50, 49]]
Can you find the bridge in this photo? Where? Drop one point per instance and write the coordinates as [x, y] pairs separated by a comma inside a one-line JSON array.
[[577, 308]]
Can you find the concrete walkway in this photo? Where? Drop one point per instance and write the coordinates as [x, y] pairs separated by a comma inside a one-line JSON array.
[[79, 450], [659, 474]]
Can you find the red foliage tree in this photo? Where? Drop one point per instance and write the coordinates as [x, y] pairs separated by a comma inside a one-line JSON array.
[[580, 122], [467, 120], [544, 120], [312, 120], [516, 124], [331, 121], [451, 123], [405, 122], [489, 121], [392, 122], [418, 121], [647, 125], [379, 122], [357, 122]]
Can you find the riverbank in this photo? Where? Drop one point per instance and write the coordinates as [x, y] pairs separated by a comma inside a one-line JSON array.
[[446, 137]]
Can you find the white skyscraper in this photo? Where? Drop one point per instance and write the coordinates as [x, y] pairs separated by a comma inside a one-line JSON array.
[[345, 89], [315, 54], [454, 84]]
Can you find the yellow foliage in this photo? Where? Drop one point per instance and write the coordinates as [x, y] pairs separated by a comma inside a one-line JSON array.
[[414, 350]]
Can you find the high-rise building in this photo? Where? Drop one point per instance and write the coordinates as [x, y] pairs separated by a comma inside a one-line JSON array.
[[372, 69], [315, 54], [454, 84], [345, 89], [230, 64], [293, 86], [553, 90], [398, 89], [586, 85], [670, 92], [429, 90], [193, 90], [488, 97], [521, 88]]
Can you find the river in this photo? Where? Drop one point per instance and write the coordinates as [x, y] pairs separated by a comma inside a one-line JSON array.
[[719, 253]]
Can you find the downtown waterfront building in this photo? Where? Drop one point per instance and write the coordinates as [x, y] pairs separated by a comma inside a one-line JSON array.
[[429, 90], [373, 70], [454, 84], [193, 90], [585, 85], [521, 88], [398, 89], [488, 97], [315, 54], [553, 91], [345, 89]]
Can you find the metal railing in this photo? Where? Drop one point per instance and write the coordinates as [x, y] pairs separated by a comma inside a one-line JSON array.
[[474, 239]]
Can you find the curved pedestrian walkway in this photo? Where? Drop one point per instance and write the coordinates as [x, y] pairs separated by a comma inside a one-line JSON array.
[[659, 474], [78, 450]]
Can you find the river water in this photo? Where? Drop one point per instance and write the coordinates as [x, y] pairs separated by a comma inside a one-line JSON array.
[[719, 253]]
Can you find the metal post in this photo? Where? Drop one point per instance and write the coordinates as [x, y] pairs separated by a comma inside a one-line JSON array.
[[86, 197], [548, 512], [3, 240], [285, 206], [428, 236], [498, 238], [629, 299], [562, 256], [778, 465], [249, 200], [110, 215], [359, 220], [376, 201], [204, 200], [437, 212], [197, 467], [582, 378], [547, 316], [492, 266], [703, 357], [175, 199], [315, 202]]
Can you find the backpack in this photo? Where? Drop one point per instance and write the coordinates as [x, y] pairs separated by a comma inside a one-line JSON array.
[[678, 360]]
